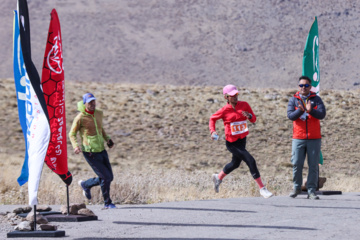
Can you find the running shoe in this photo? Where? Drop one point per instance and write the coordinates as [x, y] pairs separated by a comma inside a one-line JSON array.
[[265, 193], [217, 181], [111, 206], [313, 196], [86, 191], [294, 193]]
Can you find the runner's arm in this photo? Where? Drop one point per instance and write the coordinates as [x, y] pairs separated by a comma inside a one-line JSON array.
[[73, 132], [216, 116], [253, 116]]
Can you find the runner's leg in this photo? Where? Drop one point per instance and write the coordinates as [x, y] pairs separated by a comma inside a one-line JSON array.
[[239, 152]]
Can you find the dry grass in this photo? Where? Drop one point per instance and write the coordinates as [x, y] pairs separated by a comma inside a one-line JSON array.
[[163, 150]]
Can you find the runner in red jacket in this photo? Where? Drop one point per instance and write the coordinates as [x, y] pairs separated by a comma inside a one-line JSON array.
[[235, 115]]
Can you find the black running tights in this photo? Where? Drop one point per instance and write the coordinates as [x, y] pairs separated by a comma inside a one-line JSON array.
[[239, 153]]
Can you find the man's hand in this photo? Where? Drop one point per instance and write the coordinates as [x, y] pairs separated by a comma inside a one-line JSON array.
[[110, 143], [77, 150], [301, 107], [308, 106]]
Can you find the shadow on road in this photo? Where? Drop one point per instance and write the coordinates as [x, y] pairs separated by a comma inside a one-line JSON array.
[[192, 209], [213, 225], [161, 238]]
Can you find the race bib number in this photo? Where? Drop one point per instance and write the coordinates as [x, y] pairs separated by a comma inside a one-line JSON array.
[[238, 127]]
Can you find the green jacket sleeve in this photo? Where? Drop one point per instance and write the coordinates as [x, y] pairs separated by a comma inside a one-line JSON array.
[[75, 127]]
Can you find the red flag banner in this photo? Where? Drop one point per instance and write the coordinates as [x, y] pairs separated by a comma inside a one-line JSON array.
[[53, 84]]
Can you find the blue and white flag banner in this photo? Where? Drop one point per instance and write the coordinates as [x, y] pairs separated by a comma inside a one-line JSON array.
[[20, 86], [37, 122]]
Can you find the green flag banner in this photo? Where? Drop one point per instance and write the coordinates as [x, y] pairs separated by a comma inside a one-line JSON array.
[[321, 161], [311, 67]]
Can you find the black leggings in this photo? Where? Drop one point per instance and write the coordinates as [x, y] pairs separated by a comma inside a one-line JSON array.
[[239, 152]]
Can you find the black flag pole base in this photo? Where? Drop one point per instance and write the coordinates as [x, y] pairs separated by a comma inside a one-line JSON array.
[[70, 218], [41, 213], [325, 192], [329, 192], [33, 234], [53, 216]]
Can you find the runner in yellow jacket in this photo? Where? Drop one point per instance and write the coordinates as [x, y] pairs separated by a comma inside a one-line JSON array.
[[89, 123]]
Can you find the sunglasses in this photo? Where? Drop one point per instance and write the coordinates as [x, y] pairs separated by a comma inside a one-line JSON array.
[[304, 85], [233, 95]]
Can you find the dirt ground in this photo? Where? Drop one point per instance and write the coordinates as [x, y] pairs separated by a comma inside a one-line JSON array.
[[161, 131]]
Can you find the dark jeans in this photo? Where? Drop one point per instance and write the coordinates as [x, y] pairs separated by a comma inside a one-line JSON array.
[[100, 163], [239, 152]]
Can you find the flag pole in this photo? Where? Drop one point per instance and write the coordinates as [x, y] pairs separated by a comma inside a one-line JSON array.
[[34, 217], [67, 196]]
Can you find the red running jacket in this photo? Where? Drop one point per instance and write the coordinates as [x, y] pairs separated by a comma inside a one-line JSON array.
[[235, 123]]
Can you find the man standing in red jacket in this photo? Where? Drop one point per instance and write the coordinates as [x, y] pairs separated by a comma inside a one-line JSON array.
[[306, 109]]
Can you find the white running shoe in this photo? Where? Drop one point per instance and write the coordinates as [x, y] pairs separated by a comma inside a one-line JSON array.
[[217, 181], [265, 193], [86, 191]]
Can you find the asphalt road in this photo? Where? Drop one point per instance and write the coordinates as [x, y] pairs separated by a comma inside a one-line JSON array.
[[279, 217]]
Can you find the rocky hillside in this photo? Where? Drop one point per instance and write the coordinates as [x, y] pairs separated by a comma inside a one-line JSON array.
[[247, 43]]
